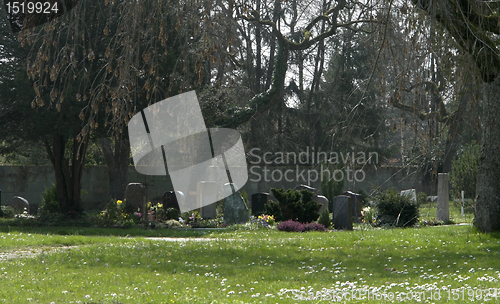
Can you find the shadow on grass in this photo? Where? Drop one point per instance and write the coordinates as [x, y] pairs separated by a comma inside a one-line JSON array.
[[80, 227]]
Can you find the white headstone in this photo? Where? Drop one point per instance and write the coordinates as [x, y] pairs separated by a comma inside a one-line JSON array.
[[412, 193], [323, 201]]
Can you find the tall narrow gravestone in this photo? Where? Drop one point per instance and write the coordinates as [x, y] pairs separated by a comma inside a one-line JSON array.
[[235, 209], [342, 216], [207, 192], [443, 207], [259, 201], [135, 194], [355, 204], [169, 200]]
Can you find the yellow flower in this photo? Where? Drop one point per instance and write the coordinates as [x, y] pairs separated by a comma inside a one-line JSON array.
[[118, 202], [160, 205]]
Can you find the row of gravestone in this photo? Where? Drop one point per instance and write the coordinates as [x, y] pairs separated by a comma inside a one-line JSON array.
[[345, 206], [235, 209]]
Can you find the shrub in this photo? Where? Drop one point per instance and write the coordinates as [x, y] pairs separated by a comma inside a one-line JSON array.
[[116, 212], [160, 214], [290, 226], [293, 205], [172, 214], [463, 174], [314, 227], [396, 210], [331, 188], [8, 212], [190, 217], [50, 204], [293, 226], [324, 219]]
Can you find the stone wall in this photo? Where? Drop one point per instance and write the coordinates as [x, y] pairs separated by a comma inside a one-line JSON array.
[[262, 178], [30, 181]]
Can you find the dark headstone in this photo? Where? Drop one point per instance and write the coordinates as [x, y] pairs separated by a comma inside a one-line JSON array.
[[356, 205], [207, 192], [135, 194], [305, 187], [342, 216], [209, 211], [19, 204], [169, 200], [259, 200], [235, 209]]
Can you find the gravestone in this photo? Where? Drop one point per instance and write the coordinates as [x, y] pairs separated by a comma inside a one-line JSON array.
[[19, 204], [207, 192], [169, 200], [432, 198], [135, 194], [305, 187], [317, 198], [323, 201], [259, 200], [342, 216], [235, 209], [355, 203], [412, 193], [443, 207]]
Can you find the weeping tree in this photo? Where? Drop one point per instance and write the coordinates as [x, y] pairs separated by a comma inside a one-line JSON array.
[[110, 59], [475, 27], [118, 57]]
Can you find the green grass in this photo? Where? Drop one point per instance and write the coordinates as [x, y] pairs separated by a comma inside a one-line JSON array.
[[242, 266], [92, 231], [428, 212]]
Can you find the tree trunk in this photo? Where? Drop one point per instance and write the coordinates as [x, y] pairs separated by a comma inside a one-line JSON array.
[[488, 178], [59, 164], [68, 177], [117, 163]]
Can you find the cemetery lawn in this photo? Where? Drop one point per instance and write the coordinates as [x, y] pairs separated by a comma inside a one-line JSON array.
[[454, 263], [428, 212]]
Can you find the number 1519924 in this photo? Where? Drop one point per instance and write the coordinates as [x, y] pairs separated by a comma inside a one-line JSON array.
[[31, 7]]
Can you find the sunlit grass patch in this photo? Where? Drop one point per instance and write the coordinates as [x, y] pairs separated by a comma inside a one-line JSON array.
[[265, 266]]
